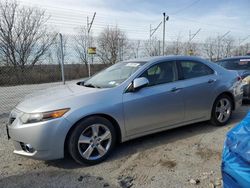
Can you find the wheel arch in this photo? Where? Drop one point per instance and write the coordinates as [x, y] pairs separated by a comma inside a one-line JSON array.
[[108, 117], [229, 94]]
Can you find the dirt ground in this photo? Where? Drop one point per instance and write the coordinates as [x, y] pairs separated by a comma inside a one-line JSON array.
[[167, 159]]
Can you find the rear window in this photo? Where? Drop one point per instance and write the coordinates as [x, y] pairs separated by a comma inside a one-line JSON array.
[[236, 64], [192, 69]]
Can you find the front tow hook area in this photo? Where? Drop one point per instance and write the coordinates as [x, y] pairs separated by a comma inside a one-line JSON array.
[[7, 130]]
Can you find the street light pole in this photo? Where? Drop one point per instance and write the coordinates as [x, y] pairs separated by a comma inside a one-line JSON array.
[[62, 58], [152, 31], [163, 40], [165, 18], [87, 55], [89, 25]]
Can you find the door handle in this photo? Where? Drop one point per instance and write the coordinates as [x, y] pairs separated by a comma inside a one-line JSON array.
[[210, 81], [174, 89]]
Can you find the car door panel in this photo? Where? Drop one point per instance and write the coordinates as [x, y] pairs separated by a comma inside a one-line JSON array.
[[198, 94], [198, 86], [158, 105], [152, 107]]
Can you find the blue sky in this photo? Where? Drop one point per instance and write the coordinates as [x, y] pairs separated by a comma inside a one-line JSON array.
[[134, 16]]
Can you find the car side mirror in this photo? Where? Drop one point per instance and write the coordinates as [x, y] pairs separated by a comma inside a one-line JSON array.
[[139, 83], [81, 83]]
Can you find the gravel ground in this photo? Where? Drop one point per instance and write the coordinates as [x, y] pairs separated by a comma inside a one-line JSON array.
[[184, 157]]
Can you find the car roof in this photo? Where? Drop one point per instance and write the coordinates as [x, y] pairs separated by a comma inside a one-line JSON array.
[[166, 58], [235, 58]]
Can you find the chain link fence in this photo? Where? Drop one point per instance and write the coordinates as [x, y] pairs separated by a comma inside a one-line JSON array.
[[24, 77], [18, 81]]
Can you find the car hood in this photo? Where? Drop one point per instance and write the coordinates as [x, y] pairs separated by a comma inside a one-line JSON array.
[[52, 95]]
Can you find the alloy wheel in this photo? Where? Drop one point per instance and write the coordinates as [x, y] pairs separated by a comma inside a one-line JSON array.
[[94, 142], [223, 110]]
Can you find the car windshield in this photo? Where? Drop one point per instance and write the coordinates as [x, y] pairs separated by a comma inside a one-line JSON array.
[[236, 64], [114, 75]]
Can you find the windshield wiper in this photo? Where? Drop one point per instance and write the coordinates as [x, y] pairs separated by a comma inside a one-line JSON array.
[[91, 85]]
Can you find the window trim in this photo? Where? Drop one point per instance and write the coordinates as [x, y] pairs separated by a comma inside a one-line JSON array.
[[158, 62], [180, 72]]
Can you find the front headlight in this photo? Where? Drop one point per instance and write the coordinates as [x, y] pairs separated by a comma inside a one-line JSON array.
[[246, 80], [42, 116]]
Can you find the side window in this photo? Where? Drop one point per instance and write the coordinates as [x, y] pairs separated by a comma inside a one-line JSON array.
[[160, 73], [192, 69]]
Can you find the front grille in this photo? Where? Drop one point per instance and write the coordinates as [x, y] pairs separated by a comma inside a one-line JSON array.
[[13, 115]]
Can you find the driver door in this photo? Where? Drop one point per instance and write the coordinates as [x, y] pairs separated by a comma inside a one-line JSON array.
[[158, 105]]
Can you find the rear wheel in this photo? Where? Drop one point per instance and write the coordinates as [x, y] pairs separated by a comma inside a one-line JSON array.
[[92, 140], [222, 110]]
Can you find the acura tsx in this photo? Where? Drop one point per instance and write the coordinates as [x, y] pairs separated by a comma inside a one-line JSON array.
[[127, 100]]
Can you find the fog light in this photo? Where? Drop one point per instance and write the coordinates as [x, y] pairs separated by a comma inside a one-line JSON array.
[[27, 147]]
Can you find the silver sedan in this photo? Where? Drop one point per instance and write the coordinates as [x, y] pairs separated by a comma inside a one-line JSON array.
[[127, 100]]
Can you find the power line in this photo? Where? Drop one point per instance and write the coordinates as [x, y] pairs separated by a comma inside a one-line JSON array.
[[208, 24], [103, 15], [65, 24], [101, 25], [102, 22], [142, 27], [79, 21], [184, 8], [78, 11]]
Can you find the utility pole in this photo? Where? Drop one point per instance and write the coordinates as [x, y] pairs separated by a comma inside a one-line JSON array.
[[150, 29], [159, 47], [219, 44], [62, 58], [240, 42], [89, 25], [191, 37], [120, 48], [151, 33], [87, 46], [165, 18]]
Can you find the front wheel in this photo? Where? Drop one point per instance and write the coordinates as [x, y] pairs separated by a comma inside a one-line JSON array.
[[222, 110], [92, 140]]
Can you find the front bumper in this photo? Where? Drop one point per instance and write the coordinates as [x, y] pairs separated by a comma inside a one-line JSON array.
[[46, 138]]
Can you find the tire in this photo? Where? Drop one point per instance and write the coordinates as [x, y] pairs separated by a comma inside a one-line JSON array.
[[92, 140], [222, 110]]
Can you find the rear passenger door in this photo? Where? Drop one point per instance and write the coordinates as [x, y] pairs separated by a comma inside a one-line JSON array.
[[198, 82]]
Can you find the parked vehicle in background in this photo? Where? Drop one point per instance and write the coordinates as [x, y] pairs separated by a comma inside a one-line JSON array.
[[242, 65], [127, 100], [236, 156]]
